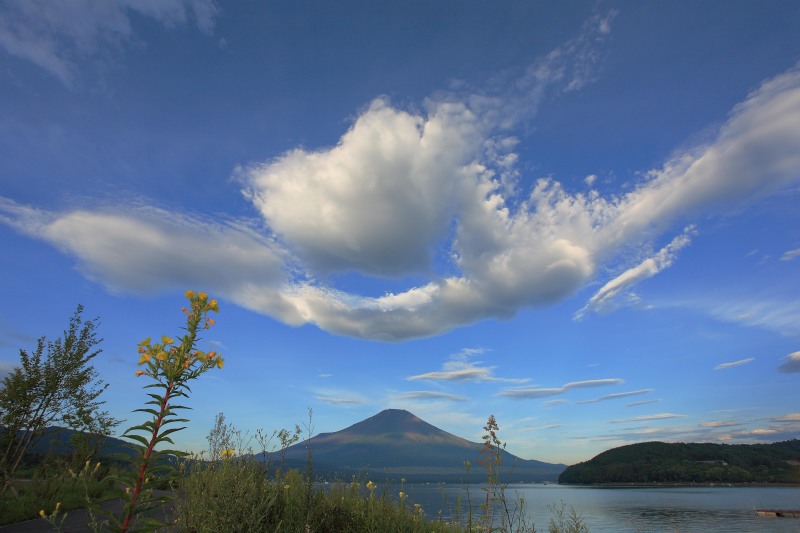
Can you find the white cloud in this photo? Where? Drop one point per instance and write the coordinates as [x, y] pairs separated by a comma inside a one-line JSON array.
[[764, 311], [55, 36], [461, 368], [720, 424], [431, 395], [339, 400], [790, 254], [645, 402], [537, 392], [402, 187], [603, 300], [645, 418], [791, 363], [735, 363], [791, 417], [618, 395]]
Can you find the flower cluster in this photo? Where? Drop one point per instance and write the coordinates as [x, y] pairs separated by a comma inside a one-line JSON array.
[[172, 361]]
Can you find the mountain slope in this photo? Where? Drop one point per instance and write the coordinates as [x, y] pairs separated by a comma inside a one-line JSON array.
[[660, 462], [396, 443]]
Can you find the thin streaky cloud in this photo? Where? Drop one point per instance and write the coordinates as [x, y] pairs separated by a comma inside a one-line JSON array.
[[432, 395], [791, 417], [735, 363], [617, 396], [335, 400], [720, 424], [538, 392], [791, 363], [790, 254], [643, 402], [605, 299], [645, 418], [461, 368]]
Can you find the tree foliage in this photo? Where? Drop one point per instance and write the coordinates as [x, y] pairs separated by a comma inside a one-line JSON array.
[[660, 462], [56, 385]]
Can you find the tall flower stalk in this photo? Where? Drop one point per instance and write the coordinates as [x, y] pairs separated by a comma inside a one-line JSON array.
[[171, 366]]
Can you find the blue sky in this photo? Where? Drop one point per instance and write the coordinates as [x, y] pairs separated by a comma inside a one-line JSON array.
[[580, 217]]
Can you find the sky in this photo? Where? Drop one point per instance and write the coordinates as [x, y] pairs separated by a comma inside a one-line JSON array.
[[580, 217]]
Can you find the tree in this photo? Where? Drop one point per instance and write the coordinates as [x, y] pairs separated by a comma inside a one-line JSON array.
[[56, 385]]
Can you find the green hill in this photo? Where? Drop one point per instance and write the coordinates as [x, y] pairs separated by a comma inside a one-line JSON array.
[[660, 462]]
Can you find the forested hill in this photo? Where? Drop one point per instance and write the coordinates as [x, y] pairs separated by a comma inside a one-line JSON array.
[[662, 462]]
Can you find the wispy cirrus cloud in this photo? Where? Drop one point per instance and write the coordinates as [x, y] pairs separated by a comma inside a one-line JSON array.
[[537, 392], [617, 396], [605, 299], [401, 183], [791, 417], [461, 368], [431, 395], [720, 424], [723, 366], [57, 36], [646, 418], [790, 254], [342, 400], [791, 363], [643, 402]]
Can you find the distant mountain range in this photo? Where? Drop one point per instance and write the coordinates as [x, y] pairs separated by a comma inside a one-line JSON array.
[[396, 444]]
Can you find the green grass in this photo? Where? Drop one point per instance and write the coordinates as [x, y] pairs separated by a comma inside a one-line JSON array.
[[45, 491]]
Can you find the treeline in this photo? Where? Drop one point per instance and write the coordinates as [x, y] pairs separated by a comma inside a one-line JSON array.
[[660, 462]]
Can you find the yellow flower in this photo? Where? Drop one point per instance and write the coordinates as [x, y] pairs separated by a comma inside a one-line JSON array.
[[371, 485], [214, 306], [161, 356], [167, 340], [220, 362], [145, 358], [41, 513], [226, 454], [145, 342], [189, 294], [202, 296], [202, 356], [139, 373]]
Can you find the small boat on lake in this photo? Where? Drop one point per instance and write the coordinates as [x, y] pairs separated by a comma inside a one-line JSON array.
[[777, 513]]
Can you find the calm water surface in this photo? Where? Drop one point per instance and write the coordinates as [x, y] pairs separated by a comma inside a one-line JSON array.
[[657, 509]]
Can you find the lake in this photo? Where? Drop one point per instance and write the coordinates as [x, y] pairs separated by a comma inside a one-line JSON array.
[[656, 509]]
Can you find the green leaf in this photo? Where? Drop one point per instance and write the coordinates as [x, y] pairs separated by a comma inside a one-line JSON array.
[[138, 438], [149, 411]]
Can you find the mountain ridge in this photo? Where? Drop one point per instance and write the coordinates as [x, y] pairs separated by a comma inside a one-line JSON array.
[[397, 443]]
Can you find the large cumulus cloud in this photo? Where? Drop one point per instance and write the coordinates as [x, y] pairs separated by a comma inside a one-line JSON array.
[[430, 194]]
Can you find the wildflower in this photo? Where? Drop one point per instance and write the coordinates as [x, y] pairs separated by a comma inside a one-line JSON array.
[[202, 356], [371, 485], [226, 454], [402, 495], [211, 355], [189, 294], [161, 356], [220, 362], [145, 342], [139, 373], [213, 305], [202, 296], [167, 340], [41, 513], [145, 358], [418, 507]]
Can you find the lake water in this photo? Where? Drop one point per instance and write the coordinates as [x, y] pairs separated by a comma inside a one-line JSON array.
[[656, 509]]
